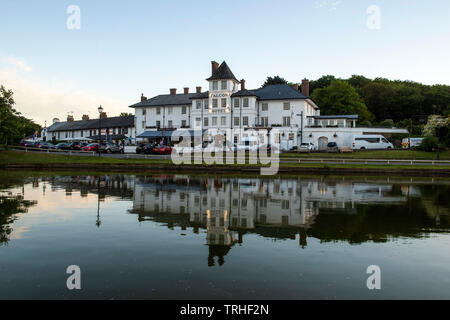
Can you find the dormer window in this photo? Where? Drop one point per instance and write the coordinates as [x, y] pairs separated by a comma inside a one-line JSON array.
[[215, 85], [224, 85]]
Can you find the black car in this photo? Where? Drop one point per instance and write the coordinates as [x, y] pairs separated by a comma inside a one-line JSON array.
[[63, 146], [77, 145], [145, 148], [46, 146]]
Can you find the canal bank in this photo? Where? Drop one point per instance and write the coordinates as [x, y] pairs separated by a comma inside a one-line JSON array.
[[12, 160]]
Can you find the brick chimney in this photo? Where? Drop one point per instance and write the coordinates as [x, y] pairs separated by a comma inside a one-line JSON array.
[[242, 84], [214, 67], [85, 117], [305, 87], [199, 89], [70, 118], [143, 98], [295, 86], [173, 91], [186, 90], [104, 115]]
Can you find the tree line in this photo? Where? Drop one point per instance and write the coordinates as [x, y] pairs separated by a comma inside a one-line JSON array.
[[377, 100], [13, 125]]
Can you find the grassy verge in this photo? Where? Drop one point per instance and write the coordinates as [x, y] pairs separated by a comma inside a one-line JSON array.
[[376, 154], [11, 158]]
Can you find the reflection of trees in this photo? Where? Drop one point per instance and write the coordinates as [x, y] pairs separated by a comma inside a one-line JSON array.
[[10, 205], [377, 223]]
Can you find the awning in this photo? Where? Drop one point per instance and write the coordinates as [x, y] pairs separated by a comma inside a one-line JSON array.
[[155, 134]]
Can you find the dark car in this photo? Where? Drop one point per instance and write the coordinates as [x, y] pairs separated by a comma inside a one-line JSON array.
[[332, 147], [63, 146], [77, 145], [145, 148], [46, 146]]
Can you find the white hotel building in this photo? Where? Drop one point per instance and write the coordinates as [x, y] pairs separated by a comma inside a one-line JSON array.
[[229, 105]]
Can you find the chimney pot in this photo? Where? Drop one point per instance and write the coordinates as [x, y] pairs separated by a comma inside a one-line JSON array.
[[186, 90], [85, 117], [295, 86], [305, 87], [173, 91], [199, 89], [214, 67], [70, 118], [242, 84], [143, 98]]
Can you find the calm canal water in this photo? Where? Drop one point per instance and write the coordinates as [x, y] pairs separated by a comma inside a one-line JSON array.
[[223, 237]]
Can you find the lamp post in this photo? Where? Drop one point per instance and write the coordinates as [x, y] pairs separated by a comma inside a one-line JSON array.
[[100, 111]]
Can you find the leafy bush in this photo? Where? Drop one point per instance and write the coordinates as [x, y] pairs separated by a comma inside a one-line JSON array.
[[429, 143], [388, 123]]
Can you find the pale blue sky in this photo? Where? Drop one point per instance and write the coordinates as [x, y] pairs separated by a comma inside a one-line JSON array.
[[127, 48]]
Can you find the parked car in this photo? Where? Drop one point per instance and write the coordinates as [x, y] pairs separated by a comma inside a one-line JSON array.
[[306, 147], [77, 145], [63, 146], [145, 148], [91, 147], [46, 146], [374, 142], [27, 143], [162, 150], [110, 148], [332, 147]]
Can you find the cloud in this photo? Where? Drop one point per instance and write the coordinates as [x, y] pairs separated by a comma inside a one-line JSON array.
[[43, 100], [18, 64]]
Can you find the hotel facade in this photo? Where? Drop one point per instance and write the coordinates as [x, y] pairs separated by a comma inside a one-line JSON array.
[[229, 105]]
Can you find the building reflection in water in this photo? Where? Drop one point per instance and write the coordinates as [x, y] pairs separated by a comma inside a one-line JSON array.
[[228, 208]]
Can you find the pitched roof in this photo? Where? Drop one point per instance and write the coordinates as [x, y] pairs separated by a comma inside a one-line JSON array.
[[244, 93], [223, 73], [166, 100], [203, 95], [114, 122], [278, 92]]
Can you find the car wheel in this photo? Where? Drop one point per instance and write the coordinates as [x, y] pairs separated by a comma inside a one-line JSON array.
[[363, 148]]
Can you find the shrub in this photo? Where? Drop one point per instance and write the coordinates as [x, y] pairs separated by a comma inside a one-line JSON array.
[[388, 123], [429, 143]]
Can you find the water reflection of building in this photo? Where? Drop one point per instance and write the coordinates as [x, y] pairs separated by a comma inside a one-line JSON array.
[[228, 207]]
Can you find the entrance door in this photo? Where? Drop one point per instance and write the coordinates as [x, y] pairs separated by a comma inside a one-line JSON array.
[[323, 143]]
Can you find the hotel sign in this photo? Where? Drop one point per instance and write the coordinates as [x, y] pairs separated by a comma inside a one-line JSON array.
[[220, 95]]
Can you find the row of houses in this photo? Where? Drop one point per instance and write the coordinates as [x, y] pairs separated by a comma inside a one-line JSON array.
[[226, 105]]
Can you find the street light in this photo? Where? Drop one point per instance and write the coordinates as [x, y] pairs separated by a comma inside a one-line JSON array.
[[100, 111]]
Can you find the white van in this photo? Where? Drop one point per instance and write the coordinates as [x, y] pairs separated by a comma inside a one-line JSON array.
[[371, 142]]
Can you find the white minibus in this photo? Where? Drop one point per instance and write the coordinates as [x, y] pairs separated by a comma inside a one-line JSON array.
[[371, 142]]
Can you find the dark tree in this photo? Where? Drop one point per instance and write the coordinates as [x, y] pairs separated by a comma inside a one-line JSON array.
[[274, 80]]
